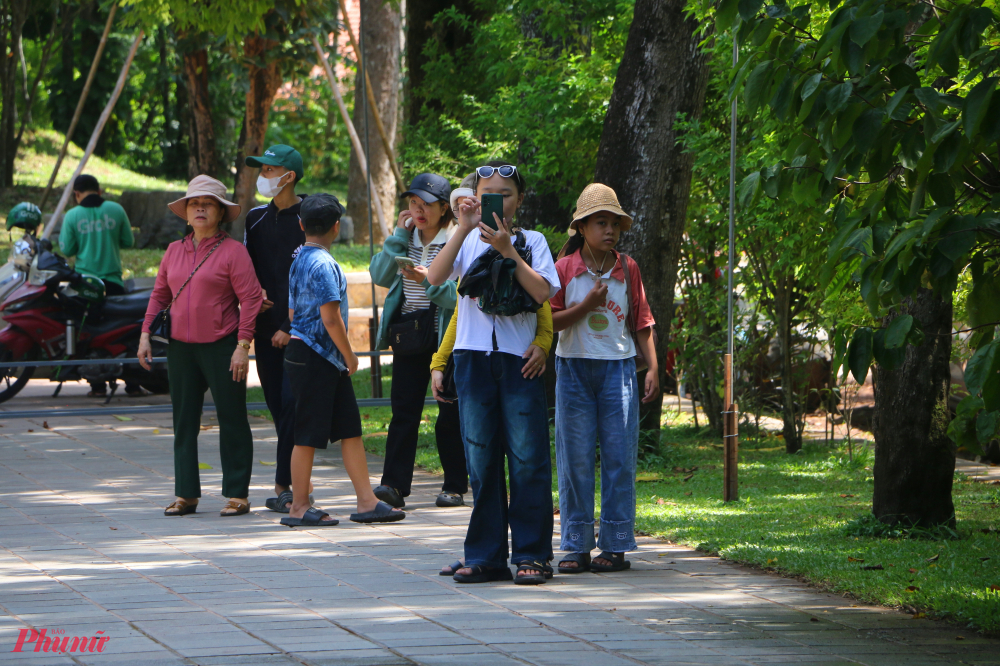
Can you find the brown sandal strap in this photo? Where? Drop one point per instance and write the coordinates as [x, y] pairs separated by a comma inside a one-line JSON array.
[[180, 505], [237, 505]]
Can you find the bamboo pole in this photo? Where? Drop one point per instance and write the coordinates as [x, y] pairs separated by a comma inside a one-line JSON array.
[[386, 143], [80, 103], [95, 135], [362, 159]]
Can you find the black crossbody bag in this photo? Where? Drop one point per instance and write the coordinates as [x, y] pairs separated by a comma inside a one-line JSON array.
[[159, 329], [413, 332]]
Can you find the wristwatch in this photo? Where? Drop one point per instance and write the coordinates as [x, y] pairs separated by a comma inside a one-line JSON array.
[[245, 345]]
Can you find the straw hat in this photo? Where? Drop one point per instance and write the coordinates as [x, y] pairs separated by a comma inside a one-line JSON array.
[[594, 198], [206, 186]]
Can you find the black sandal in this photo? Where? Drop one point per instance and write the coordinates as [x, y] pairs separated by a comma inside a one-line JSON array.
[[481, 574], [532, 579], [454, 566], [582, 561], [618, 562]]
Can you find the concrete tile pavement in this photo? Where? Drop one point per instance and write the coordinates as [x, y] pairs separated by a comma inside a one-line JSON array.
[[84, 548]]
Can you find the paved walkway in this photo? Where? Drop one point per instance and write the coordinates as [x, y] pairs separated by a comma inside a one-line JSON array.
[[84, 548]]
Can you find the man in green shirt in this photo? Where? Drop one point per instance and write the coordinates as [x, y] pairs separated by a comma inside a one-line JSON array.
[[94, 232]]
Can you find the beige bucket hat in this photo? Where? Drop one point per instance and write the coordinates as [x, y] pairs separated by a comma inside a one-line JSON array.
[[597, 197], [206, 186]]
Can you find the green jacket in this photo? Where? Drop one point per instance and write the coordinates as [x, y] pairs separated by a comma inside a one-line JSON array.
[[94, 232], [385, 273]]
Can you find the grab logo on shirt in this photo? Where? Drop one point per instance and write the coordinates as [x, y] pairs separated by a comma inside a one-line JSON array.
[[92, 226]]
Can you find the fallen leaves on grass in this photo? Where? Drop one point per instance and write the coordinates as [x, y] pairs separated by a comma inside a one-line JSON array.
[[935, 558], [846, 495], [918, 616], [648, 476], [912, 588], [995, 588], [855, 559], [688, 477], [913, 570]]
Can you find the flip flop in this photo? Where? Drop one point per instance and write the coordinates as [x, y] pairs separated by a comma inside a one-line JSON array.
[[313, 517], [481, 574], [382, 513], [582, 563], [618, 563], [454, 566], [278, 503]]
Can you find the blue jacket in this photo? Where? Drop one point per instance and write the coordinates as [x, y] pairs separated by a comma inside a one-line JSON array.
[[385, 273]]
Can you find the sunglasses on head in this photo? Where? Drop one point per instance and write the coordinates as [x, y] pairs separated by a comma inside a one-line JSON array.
[[507, 171]]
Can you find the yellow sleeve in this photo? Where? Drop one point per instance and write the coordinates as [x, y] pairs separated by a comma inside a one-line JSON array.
[[440, 358], [543, 328]]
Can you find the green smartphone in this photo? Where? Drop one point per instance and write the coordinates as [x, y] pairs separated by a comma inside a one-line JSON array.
[[492, 203]]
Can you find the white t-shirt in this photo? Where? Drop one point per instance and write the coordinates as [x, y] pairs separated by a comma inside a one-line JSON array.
[[514, 334], [603, 333]]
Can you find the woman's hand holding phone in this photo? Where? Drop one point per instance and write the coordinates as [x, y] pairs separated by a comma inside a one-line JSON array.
[[499, 238], [416, 273]]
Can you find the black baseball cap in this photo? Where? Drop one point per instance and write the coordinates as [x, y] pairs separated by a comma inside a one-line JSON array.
[[324, 207], [430, 187]]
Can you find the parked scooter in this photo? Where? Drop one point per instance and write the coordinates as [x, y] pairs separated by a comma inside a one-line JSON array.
[[52, 312]]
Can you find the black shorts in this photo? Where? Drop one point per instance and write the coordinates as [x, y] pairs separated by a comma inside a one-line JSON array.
[[325, 407]]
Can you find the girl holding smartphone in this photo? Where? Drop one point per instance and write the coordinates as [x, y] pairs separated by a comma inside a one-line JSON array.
[[496, 396], [415, 316]]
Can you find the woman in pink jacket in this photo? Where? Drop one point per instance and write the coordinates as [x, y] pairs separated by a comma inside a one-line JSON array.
[[211, 325]]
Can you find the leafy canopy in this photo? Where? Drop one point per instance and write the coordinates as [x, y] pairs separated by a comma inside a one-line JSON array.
[[891, 115]]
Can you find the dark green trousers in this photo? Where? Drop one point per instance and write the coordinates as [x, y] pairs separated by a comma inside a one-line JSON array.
[[193, 368]]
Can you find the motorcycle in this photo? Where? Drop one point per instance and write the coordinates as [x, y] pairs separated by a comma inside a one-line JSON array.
[[54, 313]]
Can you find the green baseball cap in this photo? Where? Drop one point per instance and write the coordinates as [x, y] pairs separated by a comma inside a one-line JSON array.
[[279, 155]]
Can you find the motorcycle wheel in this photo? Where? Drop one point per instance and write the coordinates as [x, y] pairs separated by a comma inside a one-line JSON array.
[[12, 380]]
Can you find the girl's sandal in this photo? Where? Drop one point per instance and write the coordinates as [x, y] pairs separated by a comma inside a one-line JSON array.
[[530, 579], [452, 568], [618, 562], [235, 507], [180, 507], [582, 561]]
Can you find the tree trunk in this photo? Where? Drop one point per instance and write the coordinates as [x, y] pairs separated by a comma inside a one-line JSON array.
[[783, 306], [914, 458], [450, 36], [14, 13], [662, 73], [264, 84], [196, 82], [381, 27]]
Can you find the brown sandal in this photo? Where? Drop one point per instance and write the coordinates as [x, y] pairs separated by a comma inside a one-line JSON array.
[[241, 506], [180, 507]]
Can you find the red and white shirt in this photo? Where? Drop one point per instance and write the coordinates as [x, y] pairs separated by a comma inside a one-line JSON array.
[[603, 333]]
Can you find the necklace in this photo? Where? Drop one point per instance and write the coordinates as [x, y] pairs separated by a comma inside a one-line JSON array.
[[600, 271], [311, 244]]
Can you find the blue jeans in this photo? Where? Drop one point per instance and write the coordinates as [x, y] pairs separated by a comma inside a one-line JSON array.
[[596, 399], [502, 413]]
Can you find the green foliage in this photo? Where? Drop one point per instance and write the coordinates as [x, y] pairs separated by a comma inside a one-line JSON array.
[[540, 100], [868, 525], [889, 112]]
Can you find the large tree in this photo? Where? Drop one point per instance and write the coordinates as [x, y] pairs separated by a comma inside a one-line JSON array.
[[203, 150], [13, 14], [891, 113], [381, 28], [663, 73]]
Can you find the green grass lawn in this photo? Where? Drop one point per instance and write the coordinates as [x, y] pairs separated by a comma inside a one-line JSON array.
[[792, 518]]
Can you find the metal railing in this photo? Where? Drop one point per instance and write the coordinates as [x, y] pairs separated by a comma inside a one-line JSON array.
[[127, 361]]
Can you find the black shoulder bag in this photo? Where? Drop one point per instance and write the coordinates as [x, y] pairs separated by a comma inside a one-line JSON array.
[[159, 329], [491, 280], [413, 332]]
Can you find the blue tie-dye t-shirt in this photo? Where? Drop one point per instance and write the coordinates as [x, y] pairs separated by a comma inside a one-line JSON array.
[[314, 280]]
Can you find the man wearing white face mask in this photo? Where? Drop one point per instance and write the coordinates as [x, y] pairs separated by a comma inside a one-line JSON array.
[[273, 237]]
